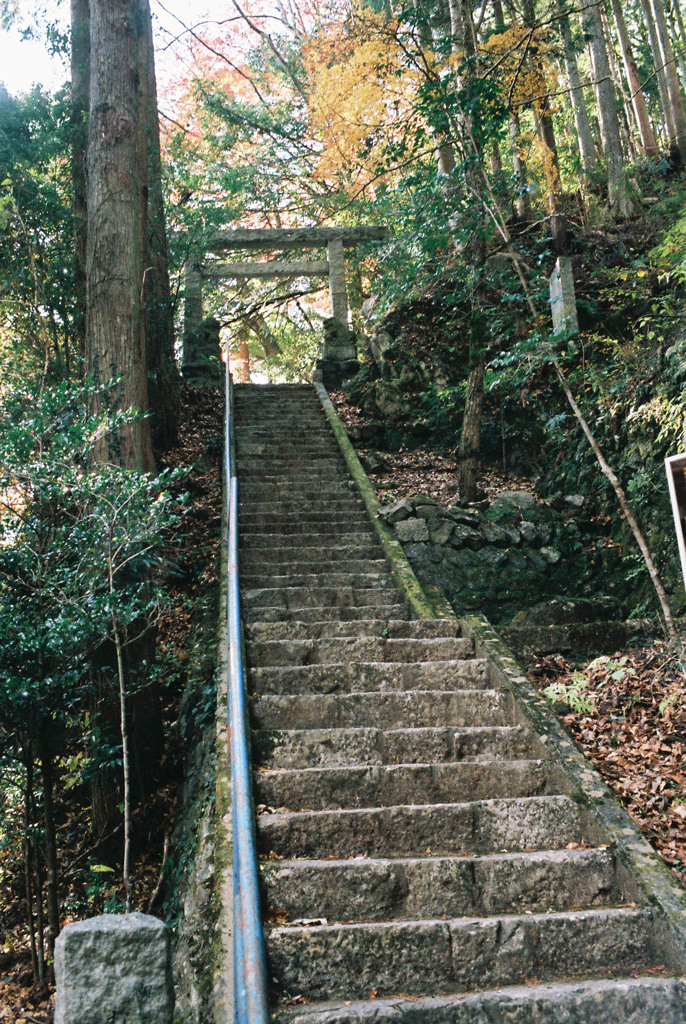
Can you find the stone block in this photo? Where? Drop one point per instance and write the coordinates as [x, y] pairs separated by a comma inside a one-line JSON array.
[[440, 534], [464, 536], [412, 531], [116, 967], [396, 512], [520, 499], [495, 534]]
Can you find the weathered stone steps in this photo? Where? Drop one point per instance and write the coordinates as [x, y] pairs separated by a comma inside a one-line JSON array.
[[358, 786], [280, 554], [413, 888], [460, 829], [387, 709], [319, 613], [644, 1000], [333, 597], [317, 580], [254, 570], [370, 648], [429, 957], [354, 677], [336, 748], [390, 628]]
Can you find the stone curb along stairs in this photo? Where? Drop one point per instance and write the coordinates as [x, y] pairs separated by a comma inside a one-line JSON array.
[[434, 847]]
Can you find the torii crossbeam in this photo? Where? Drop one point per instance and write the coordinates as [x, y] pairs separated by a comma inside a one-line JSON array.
[[334, 239]]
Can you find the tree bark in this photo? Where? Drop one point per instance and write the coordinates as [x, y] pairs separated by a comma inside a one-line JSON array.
[[80, 102], [617, 188], [551, 165], [673, 15], [679, 33], [659, 70], [645, 128], [462, 28], [576, 94], [625, 110], [163, 374], [523, 199], [115, 334], [676, 100]]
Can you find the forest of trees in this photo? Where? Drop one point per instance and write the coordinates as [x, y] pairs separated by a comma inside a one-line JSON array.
[[491, 137]]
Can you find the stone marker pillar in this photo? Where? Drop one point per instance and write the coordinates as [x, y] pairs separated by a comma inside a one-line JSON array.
[[116, 967], [335, 254], [192, 302], [563, 298]]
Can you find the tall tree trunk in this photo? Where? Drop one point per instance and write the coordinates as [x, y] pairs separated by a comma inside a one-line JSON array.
[[115, 334], [163, 374], [617, 188], [551, 165], [625, 111], [51, 878], [676, 100], [679, 33], [673, 16], [576, 94], [462, 28], [659, 70], [645, 128], [80, 102], [523, 199]]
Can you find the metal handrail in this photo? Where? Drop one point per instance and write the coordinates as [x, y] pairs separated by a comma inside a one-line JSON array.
[[250, 968]]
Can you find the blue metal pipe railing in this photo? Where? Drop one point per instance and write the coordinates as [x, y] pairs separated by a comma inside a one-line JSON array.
[[250, 969]]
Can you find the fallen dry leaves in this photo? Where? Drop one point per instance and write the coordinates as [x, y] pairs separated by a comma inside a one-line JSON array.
[[419, 469], [637, 737]]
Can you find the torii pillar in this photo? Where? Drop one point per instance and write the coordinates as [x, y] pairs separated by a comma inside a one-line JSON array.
[[339, 352]]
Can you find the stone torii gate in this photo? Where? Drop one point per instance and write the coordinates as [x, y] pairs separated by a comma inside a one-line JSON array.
[[339, 356]]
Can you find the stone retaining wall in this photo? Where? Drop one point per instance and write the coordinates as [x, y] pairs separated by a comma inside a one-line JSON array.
[[504, 557]]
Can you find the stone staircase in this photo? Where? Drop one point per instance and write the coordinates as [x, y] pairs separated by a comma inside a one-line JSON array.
[[422, 859]]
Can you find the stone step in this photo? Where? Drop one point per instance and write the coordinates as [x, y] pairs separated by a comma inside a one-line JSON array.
[[636, 1000], [328, 524], [306, 482], [309, 485], [252, 563], [418, 628], [349, 676], [336, 748], [256, 549], [431, 887], [454, 829], [358, 786], [316, 580], [353, 649], [297, 504], [318, 613], [314, 543], [327, 597], [256, 463], [443, 956], [389, 710]]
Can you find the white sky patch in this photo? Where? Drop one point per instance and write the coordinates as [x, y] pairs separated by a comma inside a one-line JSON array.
[[27, 62]]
